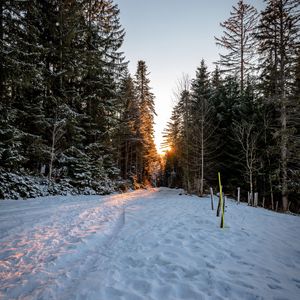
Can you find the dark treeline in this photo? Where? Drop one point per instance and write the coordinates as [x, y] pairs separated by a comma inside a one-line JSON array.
[[70, 112], [243, 119]]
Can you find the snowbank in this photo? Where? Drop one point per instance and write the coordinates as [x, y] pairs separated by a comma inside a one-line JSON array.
[[17, 186]]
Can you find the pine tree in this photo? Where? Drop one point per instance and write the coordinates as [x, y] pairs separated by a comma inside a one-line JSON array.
[[185, 109], [128, 127], [240, 42], [172, 136], [21, 84], [146, 153], [102, 67], [203, 137]]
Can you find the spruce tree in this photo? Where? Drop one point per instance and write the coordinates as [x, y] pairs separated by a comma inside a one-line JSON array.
[[127, 129], [203, 137], [22, 116], [172, 136], [146, 155], [239, 41]]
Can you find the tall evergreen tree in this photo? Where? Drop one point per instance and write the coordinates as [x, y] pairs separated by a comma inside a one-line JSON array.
[[239, 41], [203, 137], [147, 156], [127, 130]]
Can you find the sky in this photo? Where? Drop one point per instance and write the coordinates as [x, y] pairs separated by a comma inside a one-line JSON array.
[[172, 37]]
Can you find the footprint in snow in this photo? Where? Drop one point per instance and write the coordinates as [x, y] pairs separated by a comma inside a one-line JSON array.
[[235, 256], [274, 287], [274, 279], [186, 291], [180, 236], [246, 263], [190, 274], [297, 281], [112, 293], [244, 284], [233, 272], [210, 266], [142, 286], [133, 262]]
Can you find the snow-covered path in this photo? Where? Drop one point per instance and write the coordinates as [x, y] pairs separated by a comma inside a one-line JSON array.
[[153, 244]]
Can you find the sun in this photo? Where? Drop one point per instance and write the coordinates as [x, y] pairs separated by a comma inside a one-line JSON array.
[[164, 150]]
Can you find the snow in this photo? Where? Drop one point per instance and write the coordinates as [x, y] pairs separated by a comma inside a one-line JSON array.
[[147, 244]]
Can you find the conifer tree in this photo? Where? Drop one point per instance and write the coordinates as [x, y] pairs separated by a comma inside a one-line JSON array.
[[102, 67], [22, 116], [239, 41], [172, 138], [185, 109], [146, 153], [203, 147], [128, 127]]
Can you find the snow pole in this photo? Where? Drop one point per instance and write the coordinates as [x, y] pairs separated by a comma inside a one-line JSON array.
[[221, 201]]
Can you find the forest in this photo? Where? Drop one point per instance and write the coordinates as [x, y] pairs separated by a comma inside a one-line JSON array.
[[72, 117], [74, 120], [243, 118]]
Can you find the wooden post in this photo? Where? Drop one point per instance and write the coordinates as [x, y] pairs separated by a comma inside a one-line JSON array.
[[221, 201], [249, 199], [263, 204], [239, 194], [219, 206], [255, 199], [212, 198], [276, 205]]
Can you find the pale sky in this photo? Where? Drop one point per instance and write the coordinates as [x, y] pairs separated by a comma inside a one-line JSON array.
[[172, 36]]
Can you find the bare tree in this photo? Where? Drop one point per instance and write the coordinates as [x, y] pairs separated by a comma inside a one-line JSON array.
[[248, 137]]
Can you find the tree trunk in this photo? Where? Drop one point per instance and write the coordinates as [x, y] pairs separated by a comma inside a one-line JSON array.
[[284, 137], [251, 187], [284, 190], [2, 75], [126, 160], [271, 192], [52, 155], [202, 153], [242, 56]]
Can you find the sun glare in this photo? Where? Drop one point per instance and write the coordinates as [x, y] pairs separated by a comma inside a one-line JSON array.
[[163, 151]]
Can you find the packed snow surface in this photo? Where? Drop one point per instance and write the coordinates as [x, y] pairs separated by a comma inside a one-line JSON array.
[[147, 244]]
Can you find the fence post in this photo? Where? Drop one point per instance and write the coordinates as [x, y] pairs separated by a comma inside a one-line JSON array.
[[255, 199], [212, 198], [221, 202], [239, 194], [218, 208]]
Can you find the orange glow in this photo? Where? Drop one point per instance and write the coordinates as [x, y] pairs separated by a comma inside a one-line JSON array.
[[164, 150]]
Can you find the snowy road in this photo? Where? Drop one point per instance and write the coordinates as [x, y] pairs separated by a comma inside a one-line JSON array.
[[153, 244]]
